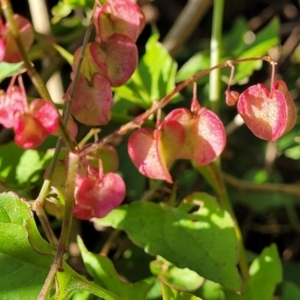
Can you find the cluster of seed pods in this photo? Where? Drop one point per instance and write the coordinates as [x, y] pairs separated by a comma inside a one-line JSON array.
[[98, 188], [196, 134], [109, 61], [32, 122], [199, 134]]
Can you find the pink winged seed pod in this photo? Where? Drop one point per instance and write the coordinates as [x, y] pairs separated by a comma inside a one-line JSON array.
[[121, 16], [198, 134], [96, 195], [268, 114], [9, 51], [109, 61], [33, 126]]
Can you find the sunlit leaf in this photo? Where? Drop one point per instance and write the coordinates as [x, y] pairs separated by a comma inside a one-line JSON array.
[[104, 273], [265, 273], [26, 258], [173, 294], [21, 167], [9, 69], [203, 241]]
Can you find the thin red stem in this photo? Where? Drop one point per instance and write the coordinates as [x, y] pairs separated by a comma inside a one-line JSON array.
[[273, 65], [139, 120]]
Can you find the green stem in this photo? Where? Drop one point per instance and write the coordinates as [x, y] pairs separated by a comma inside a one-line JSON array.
[[213, 176], [40, 200], [215, 48], [73, 165], [57, 266]]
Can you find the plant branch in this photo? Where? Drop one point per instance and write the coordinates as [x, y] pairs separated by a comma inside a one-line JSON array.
[[39, 202], [139, 120], [57, 265], [289, 189]]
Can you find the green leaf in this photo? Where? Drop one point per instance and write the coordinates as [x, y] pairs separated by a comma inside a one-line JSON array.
[[187, 240], [264, 40], [25, 257], [235, 37], [64, 7], [8, 69], [291, 291], [70, 281], [196, 63], [64, 53], [172, 294], [293, 152], [211, 291], [20, 166], [154, 77], [104, 273], [183, 279], [265, 273]]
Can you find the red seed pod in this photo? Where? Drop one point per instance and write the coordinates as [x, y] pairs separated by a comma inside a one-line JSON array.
[[231, 97], [152, 152], [33, 126], [205, 136], [268, 114], [119, 16], [119, 55], [12, 53], [97, 196], [92, 100], [11, 102]]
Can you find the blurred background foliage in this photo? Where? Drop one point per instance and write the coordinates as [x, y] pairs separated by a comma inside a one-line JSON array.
[[266, 213]]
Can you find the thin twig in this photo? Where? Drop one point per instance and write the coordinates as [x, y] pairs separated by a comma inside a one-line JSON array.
[[139, 120], [243, 185]]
